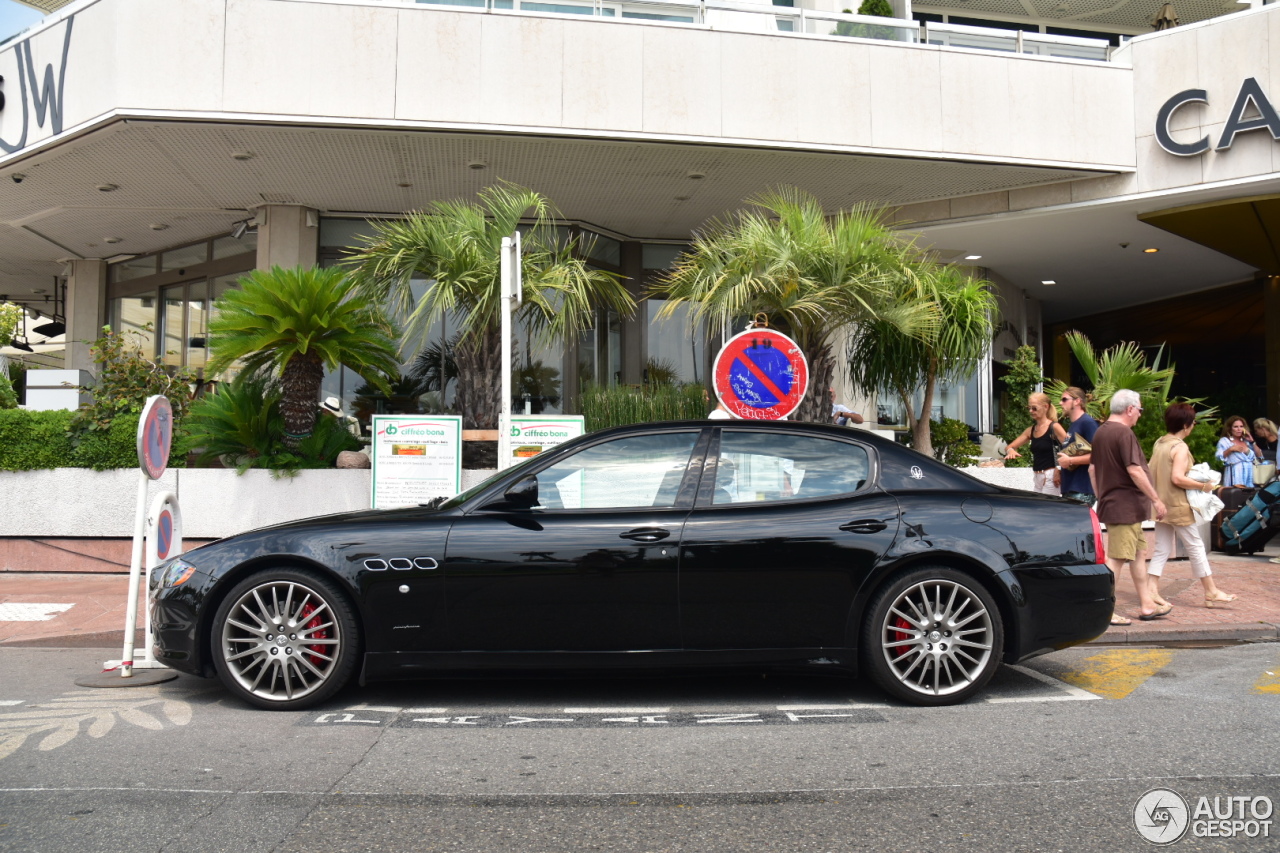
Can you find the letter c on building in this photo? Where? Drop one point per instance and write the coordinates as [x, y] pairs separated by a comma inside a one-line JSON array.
[[1171, 106]]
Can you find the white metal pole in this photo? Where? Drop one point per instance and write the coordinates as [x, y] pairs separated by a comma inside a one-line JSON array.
[[504, 411], [135, 572]]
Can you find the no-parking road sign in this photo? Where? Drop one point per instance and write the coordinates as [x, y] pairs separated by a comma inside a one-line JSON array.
[[760, 374]]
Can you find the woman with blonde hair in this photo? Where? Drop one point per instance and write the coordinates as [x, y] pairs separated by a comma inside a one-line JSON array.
[[1170, 462], [1046, 435]]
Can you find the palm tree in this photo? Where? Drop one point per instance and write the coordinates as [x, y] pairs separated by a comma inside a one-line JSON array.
[[456, 246], [810, 273], [882, 358], [298, 322]]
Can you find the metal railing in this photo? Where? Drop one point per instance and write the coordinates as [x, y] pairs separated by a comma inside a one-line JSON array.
[[762, 18]]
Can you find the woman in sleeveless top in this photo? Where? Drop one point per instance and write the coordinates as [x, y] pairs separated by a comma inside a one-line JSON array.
[[1045, 435], [1170, 462]]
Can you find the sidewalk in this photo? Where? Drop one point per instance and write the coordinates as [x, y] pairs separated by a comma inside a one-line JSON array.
[[88, 610]]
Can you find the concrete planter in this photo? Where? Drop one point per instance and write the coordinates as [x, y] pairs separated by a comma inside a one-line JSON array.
[[76, 502]]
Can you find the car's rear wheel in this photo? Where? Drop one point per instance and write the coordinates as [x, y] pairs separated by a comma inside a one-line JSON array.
[[933, 636], [285, 639]]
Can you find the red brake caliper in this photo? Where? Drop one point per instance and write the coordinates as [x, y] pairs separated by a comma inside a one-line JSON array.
[[899, 632], [311, 625]]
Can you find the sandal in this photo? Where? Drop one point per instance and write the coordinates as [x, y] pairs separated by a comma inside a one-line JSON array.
[[1221, 599], [1163, 611], [1117, 619]]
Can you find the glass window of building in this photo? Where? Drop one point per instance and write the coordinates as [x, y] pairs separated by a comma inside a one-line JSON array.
[[677, 349]]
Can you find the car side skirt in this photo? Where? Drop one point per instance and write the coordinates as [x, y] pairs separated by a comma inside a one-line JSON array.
[[389, 666]]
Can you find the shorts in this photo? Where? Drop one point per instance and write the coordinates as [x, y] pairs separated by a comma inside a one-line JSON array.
[[1124, 541]]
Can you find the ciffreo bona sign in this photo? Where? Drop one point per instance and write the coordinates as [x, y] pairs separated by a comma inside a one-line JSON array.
[[1252, 111]]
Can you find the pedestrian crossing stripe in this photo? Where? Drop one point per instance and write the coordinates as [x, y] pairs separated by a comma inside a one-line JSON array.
[[1115, 673]]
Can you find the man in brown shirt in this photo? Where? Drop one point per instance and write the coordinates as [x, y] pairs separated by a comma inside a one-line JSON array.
[[1126, 496]]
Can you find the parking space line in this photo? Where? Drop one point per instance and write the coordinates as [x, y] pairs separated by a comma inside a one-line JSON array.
[[846, 707], [666, 710], [7, 702], [1070, 689]]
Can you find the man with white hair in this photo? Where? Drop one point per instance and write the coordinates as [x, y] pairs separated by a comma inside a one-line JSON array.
[[1126, 495]]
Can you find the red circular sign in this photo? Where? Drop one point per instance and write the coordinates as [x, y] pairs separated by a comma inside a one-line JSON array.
[[164, 534], [760, 375], [155, 436]]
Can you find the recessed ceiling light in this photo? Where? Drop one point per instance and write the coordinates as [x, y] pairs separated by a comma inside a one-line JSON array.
[[1149, 251], [242, 155], [973, 257], [696, 176], [157, 226], [682, 198], [477, 164], [404, 184], [1049, 281], [108, 188], [111, 240]]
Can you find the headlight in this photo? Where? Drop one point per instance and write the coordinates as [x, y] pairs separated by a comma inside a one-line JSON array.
[[175, 573]]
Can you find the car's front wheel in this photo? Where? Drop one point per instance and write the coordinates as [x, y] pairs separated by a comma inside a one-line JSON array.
[[933, 636], [285, 639]]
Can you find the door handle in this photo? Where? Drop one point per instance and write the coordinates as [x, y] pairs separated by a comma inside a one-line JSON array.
[[865, 525], [646, 534]]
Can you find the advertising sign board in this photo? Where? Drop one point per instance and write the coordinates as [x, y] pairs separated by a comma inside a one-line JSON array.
[[415, 458], [529, 435]]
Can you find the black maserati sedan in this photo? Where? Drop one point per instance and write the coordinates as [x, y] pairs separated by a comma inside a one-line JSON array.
[[695, 544]]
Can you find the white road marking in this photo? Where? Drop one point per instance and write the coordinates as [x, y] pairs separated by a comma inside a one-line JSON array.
[[829, 707], [425, 710], [14, 612], [11, 701], [1073, 692], [617, 710], [391, 709]]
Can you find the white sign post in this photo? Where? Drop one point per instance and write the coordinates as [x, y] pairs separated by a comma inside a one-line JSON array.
[[415, 458], [155, 439], [512, 284]]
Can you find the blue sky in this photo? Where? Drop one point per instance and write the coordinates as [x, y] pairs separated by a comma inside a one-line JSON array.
[[15, 17]]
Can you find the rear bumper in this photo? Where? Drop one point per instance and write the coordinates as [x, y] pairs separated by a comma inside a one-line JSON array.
[[1057, 607]]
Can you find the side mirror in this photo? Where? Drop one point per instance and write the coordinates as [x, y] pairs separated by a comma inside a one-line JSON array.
[[523, 494]]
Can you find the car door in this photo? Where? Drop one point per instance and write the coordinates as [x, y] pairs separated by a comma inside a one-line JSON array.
[[594, 566], [785, 528]]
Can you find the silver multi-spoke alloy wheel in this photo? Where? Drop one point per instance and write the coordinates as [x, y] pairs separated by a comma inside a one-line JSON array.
[[937, 637], [282, 640]]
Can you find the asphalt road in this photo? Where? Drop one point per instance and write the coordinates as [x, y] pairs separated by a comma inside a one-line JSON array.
[[1055, 756]]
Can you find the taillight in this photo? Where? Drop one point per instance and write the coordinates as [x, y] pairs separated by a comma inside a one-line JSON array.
[[1097, 538]]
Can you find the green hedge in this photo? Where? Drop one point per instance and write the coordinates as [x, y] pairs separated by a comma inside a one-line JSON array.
[[33, 440], [609, 407]]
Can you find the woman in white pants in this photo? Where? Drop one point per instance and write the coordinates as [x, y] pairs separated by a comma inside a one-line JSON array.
[[1170, 462]]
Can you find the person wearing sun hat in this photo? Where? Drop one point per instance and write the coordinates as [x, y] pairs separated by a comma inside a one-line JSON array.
[[333, 406]]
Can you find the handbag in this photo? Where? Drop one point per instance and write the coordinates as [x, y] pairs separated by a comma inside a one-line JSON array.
[[1078, 446]]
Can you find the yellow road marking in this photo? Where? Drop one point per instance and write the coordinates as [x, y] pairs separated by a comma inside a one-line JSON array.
[[1268, 682], [1115, 673]]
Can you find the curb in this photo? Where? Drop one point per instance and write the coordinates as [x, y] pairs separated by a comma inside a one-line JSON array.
[[1205, 633]]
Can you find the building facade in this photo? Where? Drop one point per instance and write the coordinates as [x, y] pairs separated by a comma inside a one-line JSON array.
[[153, 152]]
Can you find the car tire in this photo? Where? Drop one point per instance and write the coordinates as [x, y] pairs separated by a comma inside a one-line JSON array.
[[285, 639], [933, 636]]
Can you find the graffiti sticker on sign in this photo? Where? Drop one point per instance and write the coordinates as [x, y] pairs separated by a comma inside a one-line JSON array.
[[761, 374]]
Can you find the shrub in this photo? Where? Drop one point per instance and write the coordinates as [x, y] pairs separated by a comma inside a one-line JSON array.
[[8, 397], [951, 443], [1023, 378], [241, 424], [125, 379], [609, 407], [33, 440]]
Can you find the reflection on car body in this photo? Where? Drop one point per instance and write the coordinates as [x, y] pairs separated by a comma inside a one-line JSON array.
[[704, 544]]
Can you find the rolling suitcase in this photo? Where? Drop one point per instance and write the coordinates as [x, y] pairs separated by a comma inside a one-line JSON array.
[[1233, 500], [1249, 527]]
